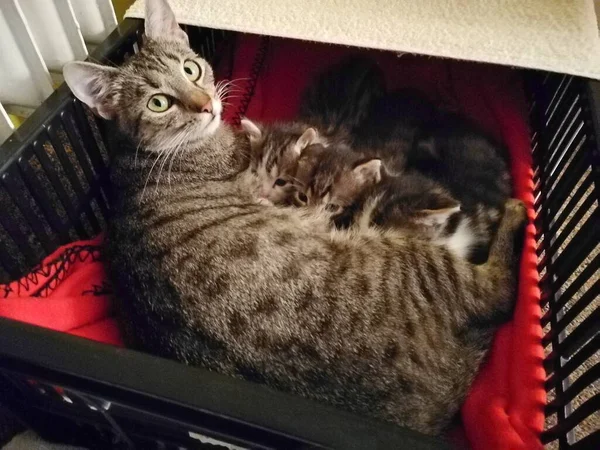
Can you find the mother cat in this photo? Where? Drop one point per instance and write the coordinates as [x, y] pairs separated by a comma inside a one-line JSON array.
[[376, 323]]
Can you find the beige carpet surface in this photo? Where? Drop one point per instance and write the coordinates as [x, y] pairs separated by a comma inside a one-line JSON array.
[[554, 35]]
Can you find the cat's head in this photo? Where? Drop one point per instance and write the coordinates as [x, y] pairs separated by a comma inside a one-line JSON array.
[[274, 153], [163, 96]]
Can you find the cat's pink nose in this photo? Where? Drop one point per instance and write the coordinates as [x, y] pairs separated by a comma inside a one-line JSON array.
[[200, 102], [208, 108]]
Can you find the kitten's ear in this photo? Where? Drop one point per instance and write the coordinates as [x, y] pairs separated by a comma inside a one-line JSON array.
[[161, 23], [90, 83], [442, 207], [309, 137], [253, 132], [368, 172]]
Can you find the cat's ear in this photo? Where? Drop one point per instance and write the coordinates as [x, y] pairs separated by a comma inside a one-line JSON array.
[[309, 137], [91, 83], [253, 132], [368, 173], [161, 23]]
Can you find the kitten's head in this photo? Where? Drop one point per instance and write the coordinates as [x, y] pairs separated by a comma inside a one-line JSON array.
[[414, 202], [163, 96], [274, 153], [334, 177]]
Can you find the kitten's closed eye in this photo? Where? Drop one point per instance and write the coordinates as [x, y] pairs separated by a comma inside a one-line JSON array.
[[333, 208], [280, 182], [301, 198]]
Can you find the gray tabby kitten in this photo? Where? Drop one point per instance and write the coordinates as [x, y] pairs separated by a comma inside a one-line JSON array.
[[372, 322], [359, 191]]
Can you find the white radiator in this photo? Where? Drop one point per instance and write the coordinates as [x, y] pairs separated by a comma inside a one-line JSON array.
[[37, 37]]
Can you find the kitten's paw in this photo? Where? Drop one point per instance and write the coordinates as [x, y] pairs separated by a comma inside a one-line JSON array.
[[264, 201], [515, 213]]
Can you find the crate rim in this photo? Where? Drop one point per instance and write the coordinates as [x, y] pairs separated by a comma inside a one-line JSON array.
[[101, 368]]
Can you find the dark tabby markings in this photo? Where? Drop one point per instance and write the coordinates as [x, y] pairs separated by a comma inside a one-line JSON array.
[[291, 271], [185, 238], [262, 340], [410, 327], [247, 248], [237, 323], [391, 352], [283, 238], [307, 300], [218, 286], [267, 306]]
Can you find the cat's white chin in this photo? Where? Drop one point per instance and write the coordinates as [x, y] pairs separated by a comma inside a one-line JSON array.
[[211, 127]]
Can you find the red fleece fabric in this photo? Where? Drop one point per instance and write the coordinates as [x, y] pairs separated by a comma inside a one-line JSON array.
[[67, 292], [504, 410]]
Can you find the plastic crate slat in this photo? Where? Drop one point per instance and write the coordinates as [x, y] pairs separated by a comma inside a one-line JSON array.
[[43, 201], [587, 329], [66, 119], [87, 136], [579, 415], [582, 382], [33, 221], [565, 187], [565, 132], [550, 228], [557, 86], [567, 145], [73, 179], [573, 363], [40, 152], [10, 264], [579, 281], [20, 241], [591, 441], [588, 297], [574, 222], [569, 102], [575, 163], [575, 130], [576, 251]]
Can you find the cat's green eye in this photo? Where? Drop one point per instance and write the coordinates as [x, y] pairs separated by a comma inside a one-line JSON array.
[[159, 103], [192, 70]]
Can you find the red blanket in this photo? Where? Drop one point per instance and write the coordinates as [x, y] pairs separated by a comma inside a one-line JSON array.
[[68, 292], [505, 407]]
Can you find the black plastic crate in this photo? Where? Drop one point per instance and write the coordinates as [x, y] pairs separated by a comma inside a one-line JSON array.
[[105, 397]]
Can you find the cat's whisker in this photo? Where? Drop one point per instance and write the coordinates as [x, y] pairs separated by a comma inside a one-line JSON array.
[[150, 173], [182, 138], [175, 154]]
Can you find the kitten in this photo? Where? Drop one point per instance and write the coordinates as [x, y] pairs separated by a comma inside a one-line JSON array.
[[470, 164], [274, 153], [361, 193], [206, 276]]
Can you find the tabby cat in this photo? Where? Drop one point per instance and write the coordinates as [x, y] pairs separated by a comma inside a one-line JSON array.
[[372, 322]]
